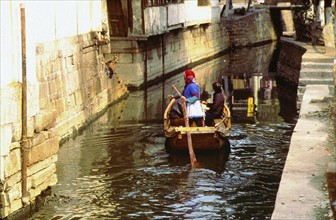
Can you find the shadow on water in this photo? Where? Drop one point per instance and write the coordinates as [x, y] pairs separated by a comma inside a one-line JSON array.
[[119, 168]]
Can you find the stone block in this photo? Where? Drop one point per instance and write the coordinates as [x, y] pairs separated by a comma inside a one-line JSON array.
[[12, 181], [34, 192], [30, 127], [43, 102], [10, 106], [14, 193], [122, 45], [43, 151], [15, 145], [15, 205], [52, 133], [44, 120], [39, 177], [60, 105], [4, 212], [58, 83], [12, 162], [50, 104], [6, 139], [125, 58], [3, 199], [41, 165], [52, 87]]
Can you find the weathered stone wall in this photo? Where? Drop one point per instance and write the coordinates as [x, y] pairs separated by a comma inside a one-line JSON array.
[[289, 62], [180, 48], [74, 89], [73, 81], [42, 149], [252, 28]]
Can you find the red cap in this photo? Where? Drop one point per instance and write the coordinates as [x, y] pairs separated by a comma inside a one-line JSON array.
[[188, 73]]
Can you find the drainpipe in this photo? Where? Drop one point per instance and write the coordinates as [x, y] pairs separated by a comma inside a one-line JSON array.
[[145, 78], [143, 16], [163, 73], [24, 143], [145, 56]]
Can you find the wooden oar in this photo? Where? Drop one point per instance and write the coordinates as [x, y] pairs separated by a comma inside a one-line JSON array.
[[193, 160]]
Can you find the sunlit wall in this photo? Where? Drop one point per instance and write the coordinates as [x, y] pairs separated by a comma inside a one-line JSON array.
[[45, 21]]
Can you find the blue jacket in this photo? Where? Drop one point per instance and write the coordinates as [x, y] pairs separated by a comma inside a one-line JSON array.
[[191, 92]]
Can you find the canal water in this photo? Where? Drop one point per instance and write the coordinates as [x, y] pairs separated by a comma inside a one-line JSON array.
[[118, 167]]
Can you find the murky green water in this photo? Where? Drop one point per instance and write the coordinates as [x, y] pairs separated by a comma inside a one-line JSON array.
[[119, 169]]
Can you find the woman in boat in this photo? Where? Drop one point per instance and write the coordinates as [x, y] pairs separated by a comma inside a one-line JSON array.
[[216, 107], [191, 95]]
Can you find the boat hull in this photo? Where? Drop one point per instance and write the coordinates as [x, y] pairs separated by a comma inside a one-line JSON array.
[[203, 138], [200, 142]]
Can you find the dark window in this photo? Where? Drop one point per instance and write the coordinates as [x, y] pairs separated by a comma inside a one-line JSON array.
[[120, 17], [151, 3], [203, 2]]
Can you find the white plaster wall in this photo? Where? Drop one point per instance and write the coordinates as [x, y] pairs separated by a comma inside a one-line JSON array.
[[10, 49], [160, 19], [155, 20], [175, 14], [196, 15]]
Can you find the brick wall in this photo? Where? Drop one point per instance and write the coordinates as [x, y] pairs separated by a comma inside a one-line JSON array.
[[289, 62], [252, 28]]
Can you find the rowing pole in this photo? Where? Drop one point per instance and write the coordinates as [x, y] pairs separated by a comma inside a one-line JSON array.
[[186, 122]]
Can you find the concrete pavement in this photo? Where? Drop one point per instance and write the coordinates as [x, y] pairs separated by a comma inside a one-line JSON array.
[[302, 191]]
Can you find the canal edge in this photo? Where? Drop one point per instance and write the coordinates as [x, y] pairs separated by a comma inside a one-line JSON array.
[[302, 193]]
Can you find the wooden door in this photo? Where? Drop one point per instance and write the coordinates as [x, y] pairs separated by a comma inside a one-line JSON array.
[[117, 18]]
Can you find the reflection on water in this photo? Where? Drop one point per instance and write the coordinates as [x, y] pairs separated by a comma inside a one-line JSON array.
[[119, 169], [125, 172]]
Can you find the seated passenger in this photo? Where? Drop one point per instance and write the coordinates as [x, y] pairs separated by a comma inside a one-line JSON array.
[[216, 107], [176, 114]]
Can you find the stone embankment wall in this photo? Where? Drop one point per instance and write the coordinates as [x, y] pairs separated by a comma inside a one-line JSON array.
[[73, 90], [73, 82]]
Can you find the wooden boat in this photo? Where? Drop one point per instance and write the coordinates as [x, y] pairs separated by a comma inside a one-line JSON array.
[[203, 138]]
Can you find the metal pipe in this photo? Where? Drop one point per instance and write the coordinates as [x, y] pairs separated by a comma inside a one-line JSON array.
[[163, 72], [145, 79], [143, 16], [24, 142]]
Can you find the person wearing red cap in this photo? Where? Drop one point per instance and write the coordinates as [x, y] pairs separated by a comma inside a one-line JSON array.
[[191, 95]]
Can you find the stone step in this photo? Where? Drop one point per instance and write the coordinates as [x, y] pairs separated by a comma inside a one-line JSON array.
[[318, 59], [300, 92], [315, 81], [306, 65], [316, 73], [301, 89]]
